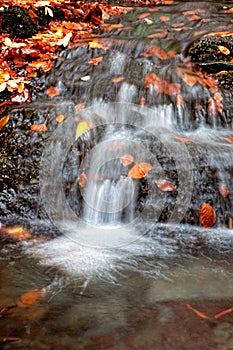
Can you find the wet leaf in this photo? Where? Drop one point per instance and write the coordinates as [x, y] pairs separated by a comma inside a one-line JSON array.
[[95, 45], [60, 118], [164, 18], [82, 180], [179, 100], [139, 170], [223, 313], [117, 79], [207, 215], [96, 60], [230, 223], [16, 232], [52, 91], [197, 312], [38, 127], [3, 121], [224, 50], [80, 105], [183, 139], [165, 185], [81, 128], [126, 159], [229, 138], [223, 190], [160, 85], [65, 41], [159, 52], [29, 298]]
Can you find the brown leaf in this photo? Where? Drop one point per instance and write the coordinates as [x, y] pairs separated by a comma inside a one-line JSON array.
[[223, 190], [139, 170], [29, 298], [164, 18], [207, 215], [3, 121], [229, 139], [16, 232], [160, 85], [165, 185], [159, 52], [38, 127], [95, 45], [82, 180], [126, 159], [23, 97], [60, 118], [183, 139], [117, 79], [53, 91]]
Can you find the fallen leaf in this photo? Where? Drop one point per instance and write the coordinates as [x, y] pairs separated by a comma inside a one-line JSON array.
[[52, 91], [82, 180], [193, 17], [207, 215], [230, 223], [29, 298], [126, 159], [159, 52], [38, 127], [139, 170], [164, 18], [81, 128], [229, 139], [160, 85], [142, 101], [95, 45], [60, 118], [80, 105], [143, 15], [117, 79], [179, 100], [96, 60], [65, 41], [222, 313], [183, 139], [224, 50], [165, 185], [16, 232], [223, 190], [197, 312], [3, 121]]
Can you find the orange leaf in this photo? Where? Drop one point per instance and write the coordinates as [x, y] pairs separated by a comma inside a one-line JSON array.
[[179, 100], [142, 101], [224, 50], [30, 298], [229, 139], [117, 79], [165, 185], [164, 18], [38, 127], [160, 85], [3, 121], [159, 52], [197, 312], [16, 232], [183, 139], [96, 60], [80, 106], [193, 17], [160, 35], [223, 190], [139, 170], [53, 91], [207, 215], [60, 118], [143, 15], [95, 45], [126, 159], [82, 180]]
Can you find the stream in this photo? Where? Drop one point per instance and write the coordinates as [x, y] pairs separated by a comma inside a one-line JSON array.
[[123, 258]]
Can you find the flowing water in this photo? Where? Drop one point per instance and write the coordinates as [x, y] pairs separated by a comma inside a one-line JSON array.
[[124, 258]]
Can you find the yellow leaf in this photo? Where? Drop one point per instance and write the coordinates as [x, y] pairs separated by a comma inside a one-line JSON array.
[[224, 50], [95, 45], [81, 128], [16, 232]]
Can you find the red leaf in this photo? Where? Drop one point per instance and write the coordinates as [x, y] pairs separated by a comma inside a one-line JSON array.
[[222, 313], [117, 79], [207, 215], [165, 185], [159, 52], [139, 170], [96, 60], [160, 85]]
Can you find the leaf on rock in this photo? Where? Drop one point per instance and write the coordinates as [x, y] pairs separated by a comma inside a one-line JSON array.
[[30, 298], [3, 121], [16, 232], [224, 50], [160, 85], [117, 79], [38, 127], [60, 118], [165, 185], [81, 128], [207, 215], [52, 91], [96, 60], [197, 312], [183, 139], [159, 52], [229, 138], [126, 159], [139, 170], [82, 180], [179, 100], [95, 45], [223, 190]]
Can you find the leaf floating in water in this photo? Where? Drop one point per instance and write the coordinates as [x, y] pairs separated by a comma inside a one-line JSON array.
[[38, 127], [3, 121], [81, 128], [165, 185], [126, 159], [52, 91], [117, 79], [16, 232], [207, 215], [223, 190], [30, 298], [139, 170], [60, 118], [82, 180], [197, 312], [183, 139], [222, 313]]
